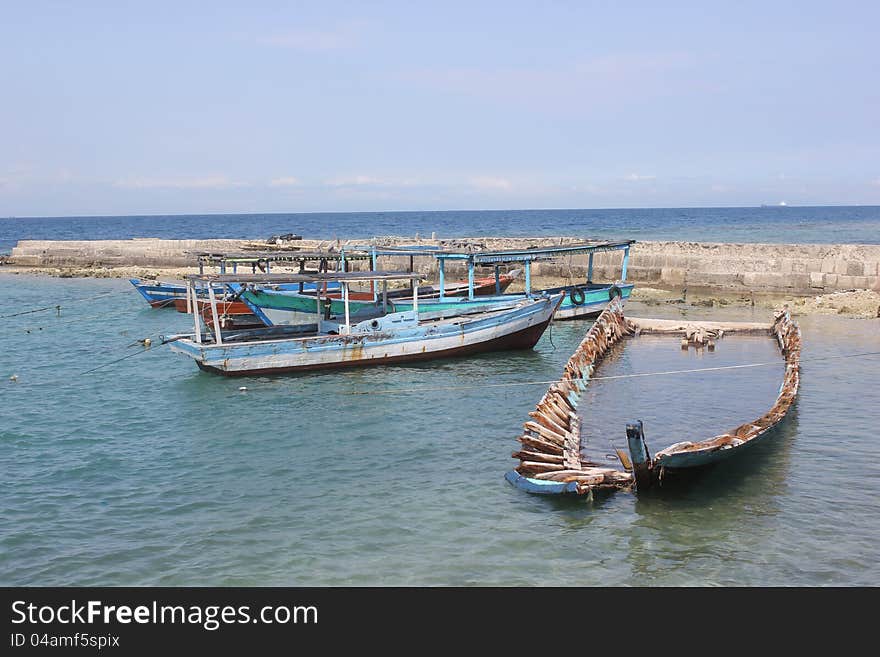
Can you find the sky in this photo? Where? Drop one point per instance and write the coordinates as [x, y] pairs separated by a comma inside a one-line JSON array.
[[152, 107]]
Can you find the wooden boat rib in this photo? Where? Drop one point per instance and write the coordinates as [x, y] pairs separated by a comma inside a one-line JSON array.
[[550, 457]]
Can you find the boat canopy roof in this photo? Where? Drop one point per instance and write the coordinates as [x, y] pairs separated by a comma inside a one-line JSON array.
[[403, 251], [537, 253], [209, 258], [367, 251], [315, 277]]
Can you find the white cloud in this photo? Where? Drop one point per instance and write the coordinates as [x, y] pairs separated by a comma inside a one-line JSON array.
[[491, 182], [637, 177], [284, 181], [351, 181], [341, 37], [205, 182]]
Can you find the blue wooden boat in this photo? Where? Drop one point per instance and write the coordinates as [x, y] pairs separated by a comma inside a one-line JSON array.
[[551, 458], [376, 337], [162, 294], [289, 307], [581, 300]]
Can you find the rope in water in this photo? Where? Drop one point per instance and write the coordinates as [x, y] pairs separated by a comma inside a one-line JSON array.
[[145, 350], [61, 323], [59, 306], [603, 378]]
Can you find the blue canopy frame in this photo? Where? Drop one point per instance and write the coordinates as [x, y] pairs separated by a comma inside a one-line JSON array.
[[527, 257]]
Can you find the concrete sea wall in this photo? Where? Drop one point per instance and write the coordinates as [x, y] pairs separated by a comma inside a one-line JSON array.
[[790, 268]]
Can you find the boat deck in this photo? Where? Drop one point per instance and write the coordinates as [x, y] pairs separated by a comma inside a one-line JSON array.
[[435, 319]]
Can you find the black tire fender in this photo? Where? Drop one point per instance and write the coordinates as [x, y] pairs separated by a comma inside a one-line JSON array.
[[577, 296]]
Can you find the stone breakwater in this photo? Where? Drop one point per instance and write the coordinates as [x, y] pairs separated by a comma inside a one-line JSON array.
[[775, 268]]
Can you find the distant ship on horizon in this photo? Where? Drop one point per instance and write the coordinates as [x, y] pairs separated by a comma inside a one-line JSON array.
[[781, 204]]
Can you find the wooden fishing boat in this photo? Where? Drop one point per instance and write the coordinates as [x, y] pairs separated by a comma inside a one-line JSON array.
[[231, 314], [371, 336], [225, 304], [552, 461], [159, 294], [581, 300], [164, 294], [170, 294], [288, 307]]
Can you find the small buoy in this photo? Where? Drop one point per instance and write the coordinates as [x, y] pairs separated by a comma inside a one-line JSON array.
[[684, 343], [147, 342], [13, 378], [242, 388]]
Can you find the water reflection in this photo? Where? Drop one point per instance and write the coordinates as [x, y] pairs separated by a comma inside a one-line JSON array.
[[695, 523]]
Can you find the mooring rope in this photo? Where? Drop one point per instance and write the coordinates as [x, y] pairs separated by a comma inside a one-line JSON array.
[[603, 378], [65, 322], [64, 304], [145, 350]]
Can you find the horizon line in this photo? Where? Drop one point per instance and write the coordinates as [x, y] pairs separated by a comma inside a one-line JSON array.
[[560, 209]]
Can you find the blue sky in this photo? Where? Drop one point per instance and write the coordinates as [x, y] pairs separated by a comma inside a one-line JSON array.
[[123, 108]]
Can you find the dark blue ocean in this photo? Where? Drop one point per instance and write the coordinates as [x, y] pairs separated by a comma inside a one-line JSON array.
[[816, 225]]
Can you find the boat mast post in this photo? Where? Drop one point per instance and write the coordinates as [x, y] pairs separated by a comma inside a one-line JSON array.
[[213, 299], [188, 298], [625, 263], [197, 315], [497, 279], [590, 269], [639, 456], [528, 277], [442, 278], [416, 301], [470, 279], [318, 300], [385, 297], [372, 281], [345, 301]]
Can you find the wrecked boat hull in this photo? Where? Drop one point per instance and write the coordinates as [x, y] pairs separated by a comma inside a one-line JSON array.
[[551, 442], [540, 486]]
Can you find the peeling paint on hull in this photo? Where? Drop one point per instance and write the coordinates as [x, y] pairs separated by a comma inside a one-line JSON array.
[[520, 328]]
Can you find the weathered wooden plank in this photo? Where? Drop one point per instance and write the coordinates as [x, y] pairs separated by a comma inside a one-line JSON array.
[[527, 455], [538, 466], [540, 445], [545, 433]]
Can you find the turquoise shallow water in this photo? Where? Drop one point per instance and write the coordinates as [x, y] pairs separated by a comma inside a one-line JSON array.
[[150, 472]]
